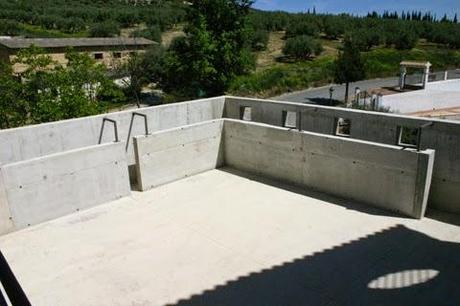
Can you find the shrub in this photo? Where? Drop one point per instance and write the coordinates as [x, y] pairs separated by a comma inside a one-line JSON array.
[[9, 27], [302, 47], [334, 27], [259, 40], [106, 29], [304, 27], [152, 33]]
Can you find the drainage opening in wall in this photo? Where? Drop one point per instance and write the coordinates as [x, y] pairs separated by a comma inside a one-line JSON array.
[[245, 113], [342, 127], [290, 119], [408, 137]]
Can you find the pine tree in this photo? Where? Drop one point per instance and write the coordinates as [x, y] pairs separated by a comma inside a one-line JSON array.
[[349, 66]]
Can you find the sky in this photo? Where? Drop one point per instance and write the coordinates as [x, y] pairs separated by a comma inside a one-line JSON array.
[[438, 7]]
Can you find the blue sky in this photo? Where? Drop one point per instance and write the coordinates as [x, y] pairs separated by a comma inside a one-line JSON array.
[[438, 7]]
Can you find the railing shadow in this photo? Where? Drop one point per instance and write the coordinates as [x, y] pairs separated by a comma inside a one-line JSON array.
[[397, 266]]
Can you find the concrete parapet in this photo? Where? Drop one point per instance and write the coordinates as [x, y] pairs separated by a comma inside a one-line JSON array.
[[443, 136], [40, 140], [375, 174], [48, 187], [169, 155]]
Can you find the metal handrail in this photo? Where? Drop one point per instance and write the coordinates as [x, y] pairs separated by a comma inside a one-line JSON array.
[[115, 126], [11, 285], [146, 126]]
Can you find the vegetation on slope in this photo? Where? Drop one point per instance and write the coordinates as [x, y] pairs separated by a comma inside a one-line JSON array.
[[211, 47]]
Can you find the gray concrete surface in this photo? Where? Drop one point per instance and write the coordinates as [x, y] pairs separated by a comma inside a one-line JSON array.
[[170, 155], [436, 95], [220, 238], [443, 136], [379, 175], [6, 224], [48, 187]]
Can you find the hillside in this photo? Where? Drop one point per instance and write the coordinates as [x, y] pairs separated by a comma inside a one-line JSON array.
[[384, 39]]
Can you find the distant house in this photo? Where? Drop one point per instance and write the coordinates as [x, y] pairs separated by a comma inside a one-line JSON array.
[[108, 51]]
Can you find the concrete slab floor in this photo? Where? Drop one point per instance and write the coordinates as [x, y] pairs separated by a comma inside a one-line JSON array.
[[225, 238]]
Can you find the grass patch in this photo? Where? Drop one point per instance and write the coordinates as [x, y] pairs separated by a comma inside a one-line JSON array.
[[283, 78]]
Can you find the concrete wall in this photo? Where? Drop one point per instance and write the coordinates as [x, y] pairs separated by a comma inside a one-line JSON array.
[[6, 224], [48, 187], [375, 174], [443, 136], [40, 140], [170, 155]]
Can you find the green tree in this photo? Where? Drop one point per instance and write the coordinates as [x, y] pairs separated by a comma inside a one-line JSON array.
[[302, 47], [404, 39], [133, 71], [55, 92], [258, 40], [334, 27], [349, 67], [13, 107], [154, 64], [152, 32], [306, 26], [106, 29], [213, 51]]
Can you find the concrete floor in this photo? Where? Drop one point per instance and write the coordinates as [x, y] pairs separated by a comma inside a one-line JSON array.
[[223, 238]]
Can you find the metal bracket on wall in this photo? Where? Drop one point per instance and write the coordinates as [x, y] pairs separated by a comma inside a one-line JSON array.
[[146, 126], [115, 127]]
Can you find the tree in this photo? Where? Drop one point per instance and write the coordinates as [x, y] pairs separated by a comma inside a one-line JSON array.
[[54, 92], [13, 108], [213, 51], [153, 32], [334, 27], [302, 27], [302, 47], [349, 66], [258, 39], [133, 71], [154, 63], [404, 39], [365, 39], [106, 29]]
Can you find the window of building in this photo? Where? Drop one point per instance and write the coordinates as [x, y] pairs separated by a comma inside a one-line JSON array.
[[290, 119], [117, 54], [245, 113], [343, 127], [408, 137], [98, 56]]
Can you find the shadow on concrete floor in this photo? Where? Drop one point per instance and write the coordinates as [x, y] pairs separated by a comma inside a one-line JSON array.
[[397, 266], [324, 101]]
